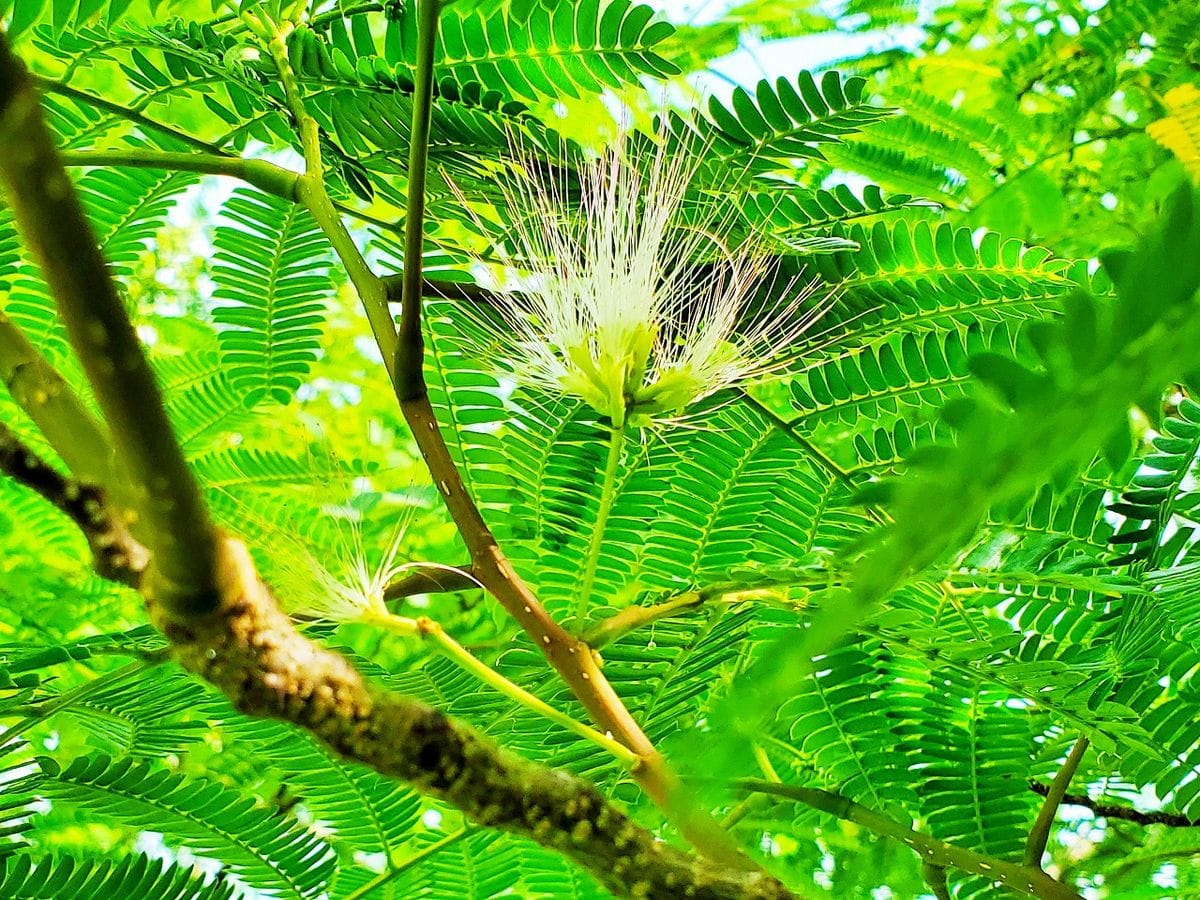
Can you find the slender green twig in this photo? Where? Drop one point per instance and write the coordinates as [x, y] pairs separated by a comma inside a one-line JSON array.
[[1035, 846], [263, 175], [932, 851], [396, 871], [634, 617], [608, 494], [408, 376], [430, 630], [935, 879], [52, 86], [573, 660], [310, 190], [52, 221], [231, 632]]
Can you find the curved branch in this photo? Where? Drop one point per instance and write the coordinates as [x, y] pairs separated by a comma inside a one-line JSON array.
[[1115, 811], [249, 649], [407, 374], [52, 221], [265, 176], [51, 86], [431, 579], [116, 555], [66, 424], [571, 658], [932, 851]]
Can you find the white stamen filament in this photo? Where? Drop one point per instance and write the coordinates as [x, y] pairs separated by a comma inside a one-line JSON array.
[[615, 315]]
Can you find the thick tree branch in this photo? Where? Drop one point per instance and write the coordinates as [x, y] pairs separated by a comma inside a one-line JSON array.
[[249, 649], [1035, 846], [573, 659], [1115, 811], [51, 219], [202, 590], [932, 851]]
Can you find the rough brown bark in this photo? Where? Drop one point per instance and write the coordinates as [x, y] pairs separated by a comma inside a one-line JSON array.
[[249, 649]]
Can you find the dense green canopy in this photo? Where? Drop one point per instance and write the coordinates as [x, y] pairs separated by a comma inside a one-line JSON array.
[[842, 598]]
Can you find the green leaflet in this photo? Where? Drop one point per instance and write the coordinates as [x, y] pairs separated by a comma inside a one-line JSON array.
[[1098, 361], [204, 816], [272, 279], [26, 876]]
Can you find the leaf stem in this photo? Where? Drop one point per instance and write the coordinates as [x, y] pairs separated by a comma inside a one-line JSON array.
[[265, 176], [310, 191], [608, 494], [51, 86], [571, 658], [429, 630], [932, 851], [384, 877], [634, 617], [77, 693]]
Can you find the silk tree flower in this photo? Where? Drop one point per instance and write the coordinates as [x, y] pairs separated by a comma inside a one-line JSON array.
[[631, 307], [638, 301], [347, 585]]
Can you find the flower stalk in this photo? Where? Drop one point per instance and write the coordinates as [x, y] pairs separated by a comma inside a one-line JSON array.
[[608, 494], [429, 630]]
